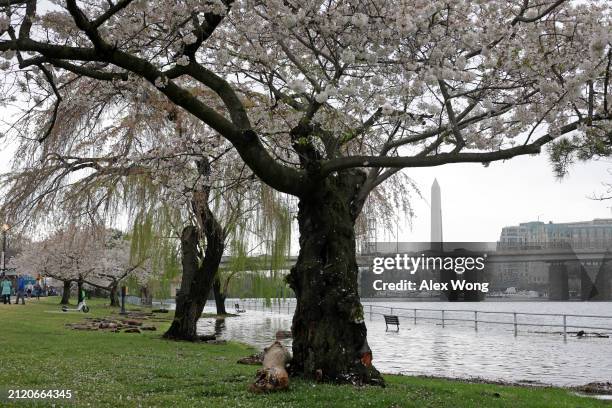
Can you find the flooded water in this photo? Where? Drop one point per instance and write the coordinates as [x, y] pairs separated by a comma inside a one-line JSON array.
[[538, 354]]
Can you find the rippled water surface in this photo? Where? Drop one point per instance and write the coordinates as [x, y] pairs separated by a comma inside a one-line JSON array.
[[538, 354]]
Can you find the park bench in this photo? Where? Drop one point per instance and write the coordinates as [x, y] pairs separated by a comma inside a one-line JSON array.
[[391, 319], [238, 309]]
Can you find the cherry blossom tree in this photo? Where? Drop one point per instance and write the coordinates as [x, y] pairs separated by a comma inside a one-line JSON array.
[[66, 256], [326, 101], [98, 258], [116, 265]]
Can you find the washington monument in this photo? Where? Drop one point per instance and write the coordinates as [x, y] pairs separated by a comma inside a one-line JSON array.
[[436, 213]]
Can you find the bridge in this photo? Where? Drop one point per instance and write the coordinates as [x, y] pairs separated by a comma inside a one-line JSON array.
[[556, 255]]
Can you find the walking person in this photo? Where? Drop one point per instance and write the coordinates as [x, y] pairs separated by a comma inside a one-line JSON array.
[[21, 290], [37, 290], [6, 287]]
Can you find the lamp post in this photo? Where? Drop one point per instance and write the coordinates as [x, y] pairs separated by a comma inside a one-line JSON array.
[[5, 228]]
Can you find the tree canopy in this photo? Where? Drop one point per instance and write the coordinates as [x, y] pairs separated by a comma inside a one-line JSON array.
[[302, 91]]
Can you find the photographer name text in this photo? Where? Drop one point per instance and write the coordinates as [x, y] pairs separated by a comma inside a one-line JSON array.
[[413, 264]]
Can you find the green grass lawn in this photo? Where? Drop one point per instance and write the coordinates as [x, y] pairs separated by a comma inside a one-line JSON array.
[[105, 369]]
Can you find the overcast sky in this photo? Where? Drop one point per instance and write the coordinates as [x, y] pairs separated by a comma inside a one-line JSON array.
[[477, 201]]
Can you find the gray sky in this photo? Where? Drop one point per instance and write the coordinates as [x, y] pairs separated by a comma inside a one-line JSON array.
[[477, 201]]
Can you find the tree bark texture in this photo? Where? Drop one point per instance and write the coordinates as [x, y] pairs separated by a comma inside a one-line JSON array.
[[66, 293], [329, 333], [219, 297]]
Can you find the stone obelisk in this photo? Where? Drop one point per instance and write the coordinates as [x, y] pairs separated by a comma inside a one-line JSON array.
[[436, 236], [436, 214]]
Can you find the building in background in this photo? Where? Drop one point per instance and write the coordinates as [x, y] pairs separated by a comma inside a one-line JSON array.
[[534, 235], [538, 235]]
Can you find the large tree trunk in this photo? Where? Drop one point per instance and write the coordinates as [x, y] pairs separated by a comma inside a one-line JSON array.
[[189, 299], [197, 279], [329, 333], [66, 293], [114, 295], [197, 276], [219, 297]]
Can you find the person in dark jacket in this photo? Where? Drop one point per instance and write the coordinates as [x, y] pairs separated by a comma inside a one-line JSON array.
[[21, 287]]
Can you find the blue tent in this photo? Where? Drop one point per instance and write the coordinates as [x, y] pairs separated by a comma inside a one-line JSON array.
[[28, 279]]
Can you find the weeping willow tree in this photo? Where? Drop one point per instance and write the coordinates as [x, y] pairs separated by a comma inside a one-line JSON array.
[[259, 247], [125, 158], [152, 238]]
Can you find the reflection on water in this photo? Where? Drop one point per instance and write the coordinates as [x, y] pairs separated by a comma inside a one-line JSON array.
[[257, 328], [457, 350], [596, 396], [219, 326]]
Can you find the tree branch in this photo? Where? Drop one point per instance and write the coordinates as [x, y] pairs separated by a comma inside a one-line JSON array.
[[110, 12], [330, 166]]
